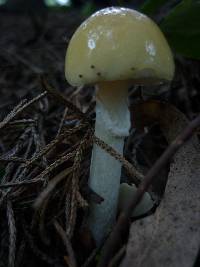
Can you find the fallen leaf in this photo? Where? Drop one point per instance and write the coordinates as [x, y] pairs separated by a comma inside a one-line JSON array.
[[170, 236]]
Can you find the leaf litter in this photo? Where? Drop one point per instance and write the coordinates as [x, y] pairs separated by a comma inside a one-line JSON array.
[[46, 139]]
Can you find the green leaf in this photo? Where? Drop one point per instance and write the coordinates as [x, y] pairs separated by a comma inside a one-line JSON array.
[[88, 8], [182, 28], [151, 6]]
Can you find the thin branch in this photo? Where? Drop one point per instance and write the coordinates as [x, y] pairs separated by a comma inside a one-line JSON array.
[[53, 143], [90, 258], [62, 122], [121, 228], [61, 98], [12, 159], [67, 244], [135, 174], [52, 184], [21, 183], [8, 118], [117, 257], [22, 122], [21, 107], [75, 182], [12, 234], [55, 164]]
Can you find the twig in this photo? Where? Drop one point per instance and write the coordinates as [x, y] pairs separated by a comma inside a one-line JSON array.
[[21, 122], [67, 244], [12, 159], [21, 172], [55, 164], [61, 98], [21, 107], [90, 109], [21, 183], [34, 248], [135, 174], [52, 144], [54, 181], [20, 252], [12, 235], [82, 202], [123, 223], [75, 182], [12, 113], [117, 257], [21, 144], [15, 151], [62, 122], [90, 258]]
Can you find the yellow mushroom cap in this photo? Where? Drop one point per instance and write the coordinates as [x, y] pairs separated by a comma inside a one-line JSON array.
[[118, 44]]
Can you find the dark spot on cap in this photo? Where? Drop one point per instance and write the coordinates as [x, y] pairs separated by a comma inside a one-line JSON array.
[[99, 73], [80, 76], [92, 66], [132, 68]]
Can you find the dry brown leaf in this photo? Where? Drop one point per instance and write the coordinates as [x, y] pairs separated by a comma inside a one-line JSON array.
[[171, 236]]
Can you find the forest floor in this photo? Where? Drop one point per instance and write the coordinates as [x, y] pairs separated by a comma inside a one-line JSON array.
[[46, 140]]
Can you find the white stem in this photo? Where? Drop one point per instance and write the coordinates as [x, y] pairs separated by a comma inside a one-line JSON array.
[[112, 125]]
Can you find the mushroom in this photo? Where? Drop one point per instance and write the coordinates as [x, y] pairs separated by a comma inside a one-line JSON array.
[[114, 49], [126, 192]]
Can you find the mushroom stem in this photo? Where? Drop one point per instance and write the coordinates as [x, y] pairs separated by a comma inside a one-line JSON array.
[[112, 126]]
